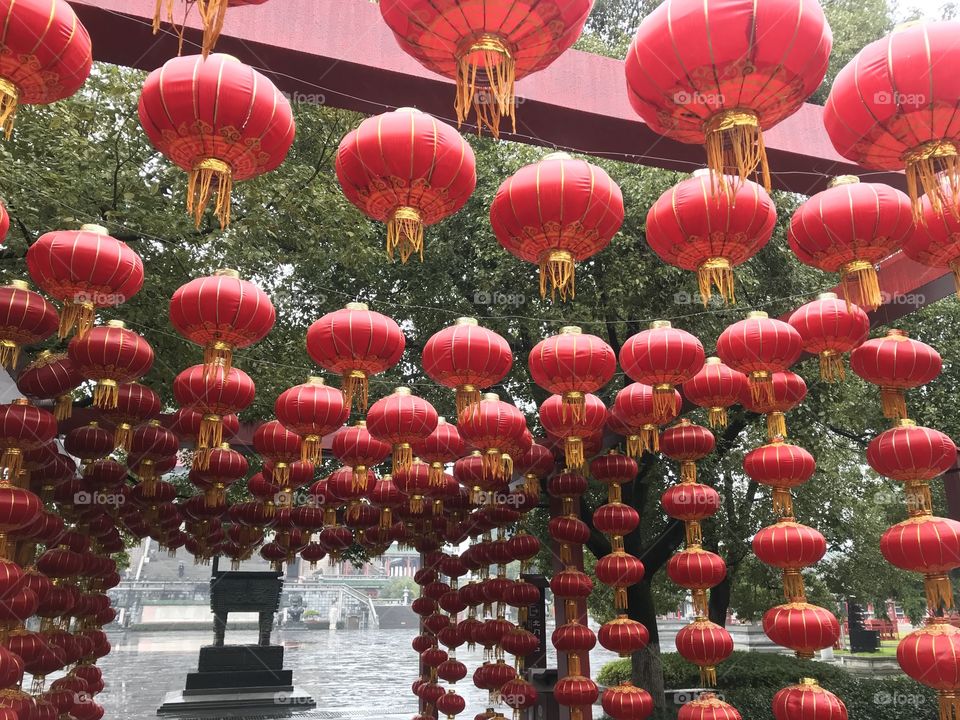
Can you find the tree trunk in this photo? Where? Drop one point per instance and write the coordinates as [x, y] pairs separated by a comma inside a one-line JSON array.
[[719, 602], [646, 670]]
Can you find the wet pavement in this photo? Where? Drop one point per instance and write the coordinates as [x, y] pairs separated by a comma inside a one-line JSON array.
[[352, 674]]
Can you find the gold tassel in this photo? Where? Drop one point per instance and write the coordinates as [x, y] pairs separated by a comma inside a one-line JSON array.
[[574, 401], [717, 417], [664, 401], [734, 144], [717, 272], [467, 396], [831, 366], [123, 436], [614, 493], [531, 485], [214, 496], [405, 233], [949, 702], [708, 676], [75, 315], [776, 425], [927, 167], [894, 403], [311, 449], [700, 603], [793, 588], [63, 408], [210, 435], [355, 386], [919, 501], [558, 266], [573, 661], [9, 96], [106, 394], [761, 387], [620, 598], [4, 547], [694, 532], [616, 543], [489, 94], [212, 14], [566, 553], [782, 502], [217, 359], [386, 517], [566, 505], [573, 452], [281, 474], [9, 354], [955, 268], [688, 472], [860, 285], [416, 504], [939, 592], [12, 460], [506, 466], [200, 189]]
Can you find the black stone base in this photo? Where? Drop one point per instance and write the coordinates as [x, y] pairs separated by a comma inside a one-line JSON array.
[[275, 680], [235, 667], [250, 702]]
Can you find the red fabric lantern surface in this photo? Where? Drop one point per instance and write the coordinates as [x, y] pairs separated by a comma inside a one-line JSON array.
[[25, 318], [696, 569], [311, 410], [355, 342], [220, 121], [807, 701], [690, 501], [790, 546], [715, 387], [696, 228], [136, 404], [829, 328], [910, 453], [719, 72], [51, 376], [619, 570], [627, 702], [572, 363], [801, 627], [467, 358], [555, 213], [46, 55], [708, 707], [409, 170], [213, 396], [485, 46], [928, 545], [535, 464], [401, 419], [491, 425], [355, 447], [705, 644], [151, 442], [895, 363], [929, 656], [224, 467], [576, 692], [22, 427], [84, 269], [893, 107], [110, 354], [836, 231], [221, 313], [623, 636], [758, 347], [444, 445], [280, 446], [781, 466], [634, 406], [787, 391], [687, 442], [186, 424], [212, 14], [573, 431], [936, 236]]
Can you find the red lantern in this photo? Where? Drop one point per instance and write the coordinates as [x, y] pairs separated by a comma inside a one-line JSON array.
[[619, 570], [895, 363], [280, 446], [46, 56], [25, 316], [84, 269], [491, 425], [690, 501], [573, 431], [836, 231], [787, 391], [705, 644], [243, 130], [576, 692], [634, 407], [221, 313], [51, 376], [715, 387], [110, 354], [781, 466], [696, 569], [311, 410], [626, 702], [519, 694], [444, 445], [802, 627], [935, 241], [151, 444], [224, 467], [409, 170], [687, 442], [623, 636], [892, 107], [928, 545], [485, 47], [401, 419], [571, 364], [790, 546], [830, 328], [22, 427], [708, 707], [213, 396], [929, 656], [355, 342], [758, 347], [718, 73], [451, 704], [355, 447], [808, 701], [554, 213], [696, 228]]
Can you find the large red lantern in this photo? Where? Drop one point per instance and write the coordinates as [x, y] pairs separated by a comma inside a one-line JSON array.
[[837, 231], [355, 447], [718, 73], [409, 170], [493, 426], [485, 46], [790, 546], [572, 363], [51, 376], [802, 627], [715, 387], [936, 237], [928, 545], [829, 328], [311, 410], [401, 419], [929, 656], [705, 644], [46, 55], [696, 228], [243, 129], [895, 363], [687, 442], [221, 313], [892, 108], [357, 343], [781, 466], [110, 354], [758, 347], [84, 269], [22, 427], [136, 404], [213, 397], [807, 701], [25, 318], [573, 431], [468, 358], [444, 445], [555, 213]]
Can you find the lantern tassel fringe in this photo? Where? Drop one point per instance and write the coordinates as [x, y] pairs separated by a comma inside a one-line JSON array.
[[355, 386], [734, 143], [75, 315], [490, 95], [782, 502], [939, 592], [716, 272], [894, 403], [106, 395], [405, 234], [861, 285], [467, 396], [9, 354], [934, 170], [688, 472], [776, 425], [9, 98], [558, 266], [217, 358], [717, 417], [708, 676], [832, 368], [200, 189], [63, 408], [311, 450], [949, 702], [573, 452]]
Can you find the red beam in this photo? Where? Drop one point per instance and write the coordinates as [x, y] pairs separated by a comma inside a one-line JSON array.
[[340, 53]]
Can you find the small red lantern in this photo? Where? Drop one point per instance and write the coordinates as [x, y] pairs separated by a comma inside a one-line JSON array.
[[696, 569], [25, 316], [696, 228], [355, 447], [213, 396], [221, 313], [802, 627], [912, 455], [623, 636], [401, 419], [444, 445], [829, 328], [928, 545], [687, 442], [929, 656], [573, 431], [280, 446], [244, 129], [781, 466], [715, 387], [572, 363], [790, 546], [708, 707], [935, 241], [22, 427], [690, 502], [311, 410], [51, 376], [468, 358], [490, 426], [619, 570], [554, 213], [409, 170], [576, 692], [787, 391], [895, 363], [627, 702], [355, 342], [634, 408], [705, 644], [808, 701], [758, 347], [110, 354]]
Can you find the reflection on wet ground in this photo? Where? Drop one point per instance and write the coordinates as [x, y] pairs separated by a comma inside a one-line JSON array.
[[352, 674]]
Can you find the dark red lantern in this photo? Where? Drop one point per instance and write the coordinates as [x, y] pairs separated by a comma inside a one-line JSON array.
[[571, 364], [715, 387], [895, 363], [444, 445], [687, 442], [23, 427], [935, 241], [51, 376], [136, 404], [708, 706], [627, 702], [634, 408], [311, 410], [829, 328], [110, 355], [623, 636], [758, 347], [355, 447], [493, 426], [25, 316], [401, 419]]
